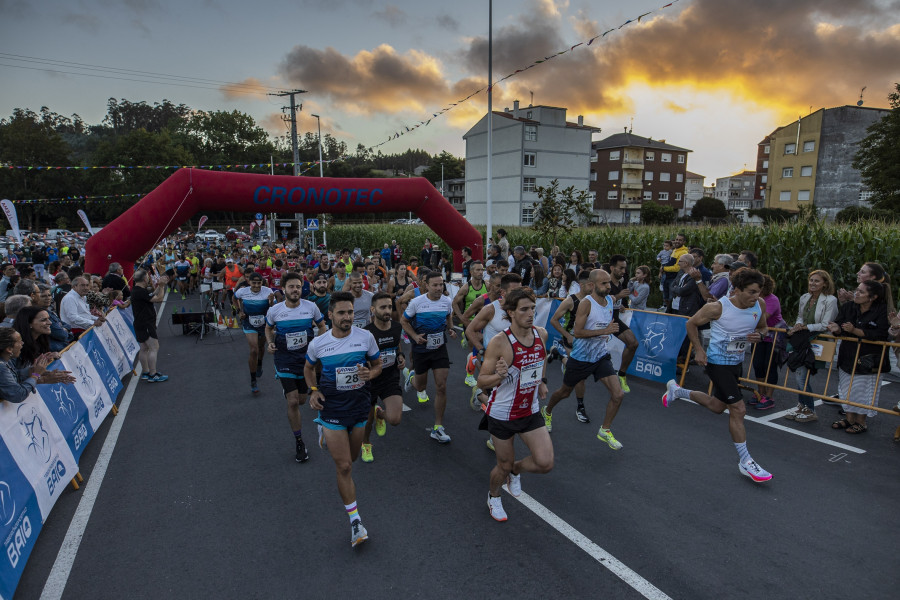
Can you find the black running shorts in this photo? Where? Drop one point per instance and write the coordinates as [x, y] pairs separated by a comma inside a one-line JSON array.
[[577, 371], [504, 430], [725, 382]]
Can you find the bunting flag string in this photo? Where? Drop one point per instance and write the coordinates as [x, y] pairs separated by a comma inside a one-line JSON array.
[[165, 167], [78, 199], [409, 129]]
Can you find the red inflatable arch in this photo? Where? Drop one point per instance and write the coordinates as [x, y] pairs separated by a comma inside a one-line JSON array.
[[189, 191]]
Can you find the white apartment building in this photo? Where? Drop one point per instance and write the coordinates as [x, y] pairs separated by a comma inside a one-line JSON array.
[[531, 147], [693, 191]]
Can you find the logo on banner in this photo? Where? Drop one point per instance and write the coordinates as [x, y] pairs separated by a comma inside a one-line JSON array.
[[64, 404], [7, 504], [86, 380], [19, 539], [112, 383], [124, 337], [33, 428], [655, 338]]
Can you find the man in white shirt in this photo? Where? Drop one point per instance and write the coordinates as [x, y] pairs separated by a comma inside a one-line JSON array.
[[74, 309]]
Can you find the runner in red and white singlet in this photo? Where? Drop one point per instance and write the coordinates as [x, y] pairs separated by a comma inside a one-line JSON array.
[[515, 365], [519, 398]]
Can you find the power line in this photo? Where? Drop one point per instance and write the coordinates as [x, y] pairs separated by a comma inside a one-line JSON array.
[[122, 71]]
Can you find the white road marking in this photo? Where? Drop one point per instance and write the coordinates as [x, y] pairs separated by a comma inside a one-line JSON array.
[[62, 566], [405, 407], [808, 436], [614, 565], [778, 415]]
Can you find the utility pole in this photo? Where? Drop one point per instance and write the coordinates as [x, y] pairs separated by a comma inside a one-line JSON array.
[[294, 146]]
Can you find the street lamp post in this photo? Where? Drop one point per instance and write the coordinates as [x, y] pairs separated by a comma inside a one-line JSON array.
[[319, 124]]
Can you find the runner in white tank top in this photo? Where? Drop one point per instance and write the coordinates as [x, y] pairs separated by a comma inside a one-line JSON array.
[[515, 364], [737, 322]]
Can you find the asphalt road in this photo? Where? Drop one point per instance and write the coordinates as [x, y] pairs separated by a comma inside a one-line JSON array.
[[203, 499]]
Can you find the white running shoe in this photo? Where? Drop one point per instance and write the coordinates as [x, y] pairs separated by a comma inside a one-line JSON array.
[[792, 414], [495, 505], [440, 435], [471, 381], [407, 378], [754, 471], [358, 533], [669, 398], [514, 485]]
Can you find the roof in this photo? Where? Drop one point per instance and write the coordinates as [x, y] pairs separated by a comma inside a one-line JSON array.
[[622, 140], [690, 175]]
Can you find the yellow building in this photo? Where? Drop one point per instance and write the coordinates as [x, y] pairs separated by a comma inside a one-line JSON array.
[[793, 153]]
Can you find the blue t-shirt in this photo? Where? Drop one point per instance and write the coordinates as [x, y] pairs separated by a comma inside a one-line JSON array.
[[293, 333], [345, 394], [255, 305], [429, 318]]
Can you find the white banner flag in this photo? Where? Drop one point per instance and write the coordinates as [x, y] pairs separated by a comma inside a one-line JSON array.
[[203, 220], [123, 334], [84, 219], [10, 210], [90, 386]]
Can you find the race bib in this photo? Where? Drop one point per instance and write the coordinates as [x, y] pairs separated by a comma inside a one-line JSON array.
[[388, 357], [257, 320], [361, 324], [434, 341], [737, 344], [530, 375], [276, 281], [348, 379], [296, 340]]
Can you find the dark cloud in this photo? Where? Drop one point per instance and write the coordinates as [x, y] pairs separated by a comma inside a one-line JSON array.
[[448, 22], [391, 15], [815, 52], [376, 81]]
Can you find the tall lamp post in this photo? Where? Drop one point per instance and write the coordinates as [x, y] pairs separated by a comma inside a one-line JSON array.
[[321, 171]]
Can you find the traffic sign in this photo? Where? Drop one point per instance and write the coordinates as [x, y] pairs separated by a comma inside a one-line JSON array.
[[312, 224], [259, 216]]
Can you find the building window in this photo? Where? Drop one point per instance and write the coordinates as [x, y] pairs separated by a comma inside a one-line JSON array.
[[529, 114], [592, 196], [765, 164], [593, 157], [527, 216], [790, 148], [650, 156], [593, 175], [806, 171], [766, 149], [764, 179], [747, 183], [784, 196], [648, 195], [809, 146], [787, 172], [665, 177], [664, 196], [613, 175], [615, 155], [679, 177], [865, 194], [803, 195], [612, 195], [677, 196], [529, 184], [681, 159], [530, 132], [665, 157], [648, 175], [529, 159]]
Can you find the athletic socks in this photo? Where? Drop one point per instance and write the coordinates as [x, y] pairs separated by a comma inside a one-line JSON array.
[[298, 436], [252, 376], [682, 393], [743, 453], [580, 402], [623, 373], [352, 512]]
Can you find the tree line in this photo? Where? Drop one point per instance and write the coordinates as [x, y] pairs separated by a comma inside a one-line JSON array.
[[163, 133]]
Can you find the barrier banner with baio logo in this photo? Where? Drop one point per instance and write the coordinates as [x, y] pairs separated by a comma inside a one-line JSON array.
[[659, 339], [20, 522]]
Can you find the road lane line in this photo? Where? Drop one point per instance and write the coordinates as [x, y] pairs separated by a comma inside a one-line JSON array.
[[614, 565], [808, 436], [62, 566]]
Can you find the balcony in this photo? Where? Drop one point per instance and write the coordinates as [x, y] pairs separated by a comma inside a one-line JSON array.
[[630, 203], [632, 185], [632, 163]]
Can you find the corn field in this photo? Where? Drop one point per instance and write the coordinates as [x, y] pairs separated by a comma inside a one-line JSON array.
[[787, 252]]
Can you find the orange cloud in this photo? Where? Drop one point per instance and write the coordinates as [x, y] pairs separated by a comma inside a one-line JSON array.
[[248, 87]]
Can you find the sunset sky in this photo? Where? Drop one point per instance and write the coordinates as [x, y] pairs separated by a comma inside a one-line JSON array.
[[714, 76]]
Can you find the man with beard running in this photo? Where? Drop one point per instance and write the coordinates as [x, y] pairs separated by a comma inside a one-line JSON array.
[[387, 385], [289, 330], [254, 302], [427, 320], [515, 366], [618, 289], [590, 356], [569, 306], [349, 359]]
